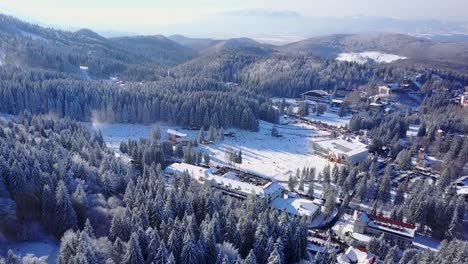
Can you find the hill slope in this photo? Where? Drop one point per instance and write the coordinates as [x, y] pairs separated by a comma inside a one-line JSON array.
[[417, 50]]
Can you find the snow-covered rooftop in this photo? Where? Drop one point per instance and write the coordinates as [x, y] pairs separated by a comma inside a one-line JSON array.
[[296, 206], [341, 146], [176, 133], [356, 255], [228, 180]]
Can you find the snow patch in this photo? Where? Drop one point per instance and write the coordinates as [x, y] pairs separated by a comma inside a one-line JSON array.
[[32, 36], [369, 56]]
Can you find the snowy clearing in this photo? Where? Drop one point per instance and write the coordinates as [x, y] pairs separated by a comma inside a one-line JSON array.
[[369, 56], [331, 119], [46, 249], [262, 153]]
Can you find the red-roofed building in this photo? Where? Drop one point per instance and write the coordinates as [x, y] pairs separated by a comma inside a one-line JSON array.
[[399, 232]]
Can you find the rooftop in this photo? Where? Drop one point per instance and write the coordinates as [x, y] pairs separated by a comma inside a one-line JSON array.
[[176, 133], [228, 179], [341, 146], [296, 206], [388, 225], [356, 255], [316, 93]]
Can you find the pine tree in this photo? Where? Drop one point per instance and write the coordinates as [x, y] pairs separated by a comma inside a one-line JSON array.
[[12, 258], [133, 255], [88, 228], [221, 134], [48, 207], [400, 195], [291, 183], [211, 134], [68, 247], [156, 134], [201, 135], [310, 190], [275, 257], [301, 184], [206, 158], [190, 251], [86, 248], [80, 204], [171, 259], [384, 189], [65, 217], [118, 250], [329, 202], [251, 258], [162, 255]]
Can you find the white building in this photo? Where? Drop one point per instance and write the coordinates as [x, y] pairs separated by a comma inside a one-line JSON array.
[[296, 207], [227, 183], [341, 151], [400, 233]]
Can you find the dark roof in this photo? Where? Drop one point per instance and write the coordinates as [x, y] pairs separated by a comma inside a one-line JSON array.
[[317, 93]]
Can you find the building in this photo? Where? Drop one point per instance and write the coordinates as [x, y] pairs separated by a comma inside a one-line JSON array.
[[400, 233], [341, 151], [356, 255], [462, 186], [297, 207], [388, 89], [318, 96], [464, 99], [176, 136], [228, 183]]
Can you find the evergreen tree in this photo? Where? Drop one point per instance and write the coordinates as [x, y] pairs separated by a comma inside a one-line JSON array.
[[201, 135], [156, 134], [206, 158], [80, 204], [64, 215], [133, 255], [384, 189], [211, 134], [190, 251]]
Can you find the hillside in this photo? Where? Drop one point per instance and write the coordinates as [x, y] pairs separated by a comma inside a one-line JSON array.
[[194, 43], [31, 46], [417, 50]]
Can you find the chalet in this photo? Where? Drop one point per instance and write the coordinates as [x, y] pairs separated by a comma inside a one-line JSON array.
[[464, 99], [388, 89], [176, 136], [317, 96], [402, 234], [340, 150]]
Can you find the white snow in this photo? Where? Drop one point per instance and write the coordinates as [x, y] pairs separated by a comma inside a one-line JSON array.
[[425, 242], [44, 249], [369, 56], [331, 119], [32, 36], [262, 153]]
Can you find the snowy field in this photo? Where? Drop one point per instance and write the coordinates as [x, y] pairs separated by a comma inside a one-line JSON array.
[[262, 154], [331, 119], [42, 250], [369, 56]]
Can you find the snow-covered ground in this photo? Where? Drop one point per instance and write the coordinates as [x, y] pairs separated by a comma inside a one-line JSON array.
[[369, 56], [262, 153], [46, 249], [424, 242], [331, 119]]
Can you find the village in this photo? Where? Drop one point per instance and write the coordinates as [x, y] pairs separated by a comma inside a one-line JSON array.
[[284, 164]]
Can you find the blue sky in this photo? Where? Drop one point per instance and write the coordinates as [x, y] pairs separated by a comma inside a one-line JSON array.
[[199, 17]]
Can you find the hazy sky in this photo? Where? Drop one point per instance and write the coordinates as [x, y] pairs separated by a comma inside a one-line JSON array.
[[145, 16]]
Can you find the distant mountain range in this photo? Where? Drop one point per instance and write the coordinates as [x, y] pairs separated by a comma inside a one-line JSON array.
[[27, 45]]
